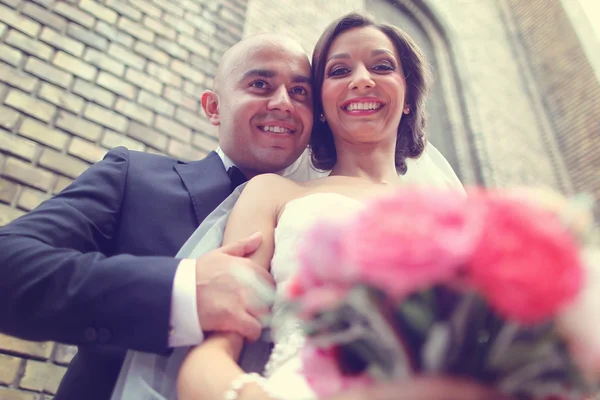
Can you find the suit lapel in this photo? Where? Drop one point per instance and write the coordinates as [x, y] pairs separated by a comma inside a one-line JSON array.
[[207, 183]]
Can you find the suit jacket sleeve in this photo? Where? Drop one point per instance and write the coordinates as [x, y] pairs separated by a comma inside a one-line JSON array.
[[58, 281]]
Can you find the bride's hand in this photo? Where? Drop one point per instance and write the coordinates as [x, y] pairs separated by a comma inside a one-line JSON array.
[[429, 388]]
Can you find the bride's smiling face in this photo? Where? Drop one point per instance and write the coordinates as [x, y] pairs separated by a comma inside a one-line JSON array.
[[364, 88]]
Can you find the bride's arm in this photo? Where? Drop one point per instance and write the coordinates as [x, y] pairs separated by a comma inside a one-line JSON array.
[[209, 369]]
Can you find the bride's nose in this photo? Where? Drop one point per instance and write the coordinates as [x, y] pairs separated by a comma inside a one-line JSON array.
[[361, 79]]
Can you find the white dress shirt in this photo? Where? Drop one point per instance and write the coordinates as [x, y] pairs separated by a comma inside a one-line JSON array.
[[431, 169]]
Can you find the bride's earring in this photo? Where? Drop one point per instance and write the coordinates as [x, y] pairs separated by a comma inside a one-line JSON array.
[[322, 118], [406, 110]]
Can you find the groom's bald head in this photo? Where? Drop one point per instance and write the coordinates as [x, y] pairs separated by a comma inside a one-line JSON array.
[[261, 103], [234, 57]]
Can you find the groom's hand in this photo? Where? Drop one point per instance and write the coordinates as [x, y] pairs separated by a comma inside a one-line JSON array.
[[424, 388], [224, 303]]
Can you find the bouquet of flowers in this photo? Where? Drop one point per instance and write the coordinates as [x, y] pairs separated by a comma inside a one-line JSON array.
[[500, 286]]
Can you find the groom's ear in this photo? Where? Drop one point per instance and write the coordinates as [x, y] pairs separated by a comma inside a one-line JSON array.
[[210, 105]]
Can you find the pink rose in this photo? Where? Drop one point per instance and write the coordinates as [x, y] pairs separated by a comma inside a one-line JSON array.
[[413, 239], [527, 265], [322, 259]]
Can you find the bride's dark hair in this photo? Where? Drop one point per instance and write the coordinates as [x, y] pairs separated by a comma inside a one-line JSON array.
[[411, 131]]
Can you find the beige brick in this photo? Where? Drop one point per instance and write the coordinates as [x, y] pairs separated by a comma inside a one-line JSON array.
[[43, 134], [29, 45], [188, 72], [37, 350], [126, 56], [170, 7], [19, 22], [173, 128], [93, 93], [85, 150], [116, 85], [31, 198], [8, 117], [180, 98], [10, 55], [184, 151], [151, 53], [156, 103], [191, 120], [205, 142], [87, 37], [45, 3], [147, 136], [164, 75], [62, 163], [11, 3], [61, 98], [12, 394], [180, 25], [193, 90], [17, 79], [203, 24], [3, 28], [112, 139], [48, 72], [194, 45], [9, 368], [64, 354], [17, 146], [113, 34], [62, 42], [143, 81], [191, 6], [61, 183], [78, 126], [106, 118], [159, 27], [42, 376], [124, 9], [103, 62], [147, 8], [8, 192], [74, 14], [75, 66], [172, 48], [136, 30], [134, 111], [29, 105], [29, 175], [98, 11], [43, 16], [8, 214]]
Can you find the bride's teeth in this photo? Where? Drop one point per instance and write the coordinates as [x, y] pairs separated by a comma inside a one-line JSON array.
[[363, 106]]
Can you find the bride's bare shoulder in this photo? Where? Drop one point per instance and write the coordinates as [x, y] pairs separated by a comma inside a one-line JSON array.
[[273, 185]]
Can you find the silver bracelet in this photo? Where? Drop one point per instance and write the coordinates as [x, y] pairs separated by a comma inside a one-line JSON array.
[[243, 380]]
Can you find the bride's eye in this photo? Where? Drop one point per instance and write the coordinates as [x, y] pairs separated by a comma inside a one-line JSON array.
[[384, 66], [338, 71]]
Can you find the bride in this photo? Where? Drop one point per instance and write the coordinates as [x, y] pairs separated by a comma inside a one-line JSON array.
[[370, 83]]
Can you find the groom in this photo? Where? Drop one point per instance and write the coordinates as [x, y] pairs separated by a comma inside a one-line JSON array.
[[94, 266]]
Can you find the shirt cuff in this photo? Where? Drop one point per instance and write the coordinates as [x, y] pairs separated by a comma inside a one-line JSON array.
[[185, 327]]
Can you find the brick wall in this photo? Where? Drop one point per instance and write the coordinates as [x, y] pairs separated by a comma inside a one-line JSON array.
[[567, 81], [78, 77]]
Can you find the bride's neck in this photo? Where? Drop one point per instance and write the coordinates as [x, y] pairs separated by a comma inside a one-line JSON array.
[[375, 164]]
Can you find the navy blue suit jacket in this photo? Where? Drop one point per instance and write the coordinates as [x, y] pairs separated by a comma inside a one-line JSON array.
[[94, 266]]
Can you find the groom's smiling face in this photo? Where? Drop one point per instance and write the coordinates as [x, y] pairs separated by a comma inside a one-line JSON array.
[[263, 103]]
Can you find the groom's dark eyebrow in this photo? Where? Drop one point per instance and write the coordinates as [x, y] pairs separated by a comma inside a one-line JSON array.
[[266, 73]]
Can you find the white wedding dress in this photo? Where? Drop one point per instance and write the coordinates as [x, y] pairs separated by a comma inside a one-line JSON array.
[[283, 370]]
